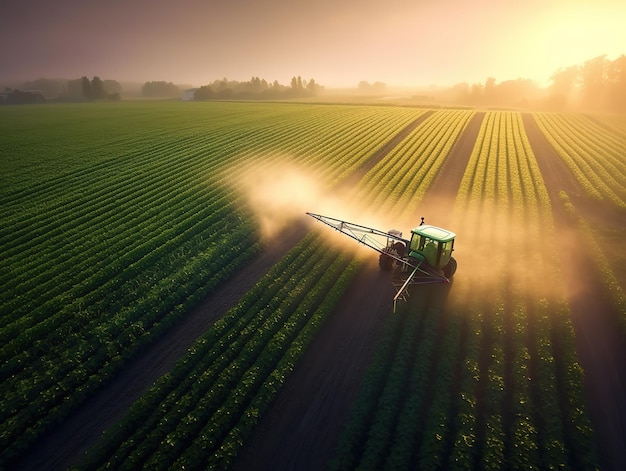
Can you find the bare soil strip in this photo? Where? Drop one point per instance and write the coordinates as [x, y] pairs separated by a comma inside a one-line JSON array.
[[300, 430], [598, 340], [64, 445], [442, 193]]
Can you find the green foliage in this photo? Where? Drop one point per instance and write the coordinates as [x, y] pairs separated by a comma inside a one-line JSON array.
[[593, 154], [119, 218], [497, 384], [160, 89], [206, 407]]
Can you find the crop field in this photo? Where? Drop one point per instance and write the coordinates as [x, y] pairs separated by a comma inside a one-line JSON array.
[[165, 304]]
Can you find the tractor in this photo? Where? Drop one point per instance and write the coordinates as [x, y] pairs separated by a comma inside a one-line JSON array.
[[424, 258]]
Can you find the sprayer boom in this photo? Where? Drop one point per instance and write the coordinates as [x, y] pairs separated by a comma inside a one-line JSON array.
[[373, 238], [425, 258]]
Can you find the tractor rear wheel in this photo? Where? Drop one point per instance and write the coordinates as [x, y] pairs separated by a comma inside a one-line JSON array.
[[385, 262], [388, 262], [450, 268]]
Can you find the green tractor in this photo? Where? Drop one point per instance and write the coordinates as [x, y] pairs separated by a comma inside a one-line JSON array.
[[430, 245], [425, 258]]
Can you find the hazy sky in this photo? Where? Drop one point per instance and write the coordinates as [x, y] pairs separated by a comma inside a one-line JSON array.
[[336, 42]]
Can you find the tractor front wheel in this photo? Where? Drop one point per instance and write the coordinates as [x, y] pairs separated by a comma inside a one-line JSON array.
[[450, 268]]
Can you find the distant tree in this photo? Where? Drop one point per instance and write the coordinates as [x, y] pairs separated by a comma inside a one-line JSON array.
[[97, 89], [50, 88], [564, 80], [593, 76], [379, 87], [74, 89], [256, 88], [112, 87], [489, 92], [517, 92], [312, 87], [459, 93], [476, 93], [371, 88], [204, 93], [256, 85], [87, 92], [226, 93], [563, 83], [159, 89], [616, 84]]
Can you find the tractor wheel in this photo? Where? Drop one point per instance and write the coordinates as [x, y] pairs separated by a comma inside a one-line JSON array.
[[385, 262], [450, 268], [399, 249]]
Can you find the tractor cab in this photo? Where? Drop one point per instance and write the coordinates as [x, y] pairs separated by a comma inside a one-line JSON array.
[[433, 244]]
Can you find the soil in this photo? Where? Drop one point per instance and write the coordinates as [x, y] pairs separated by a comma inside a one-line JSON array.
[[301, 427]]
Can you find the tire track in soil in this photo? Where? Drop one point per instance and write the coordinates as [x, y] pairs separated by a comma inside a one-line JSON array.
[[599, 344], [301, 428], [65, 444]]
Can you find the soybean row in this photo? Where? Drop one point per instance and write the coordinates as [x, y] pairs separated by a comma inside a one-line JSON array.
[[593, 154]]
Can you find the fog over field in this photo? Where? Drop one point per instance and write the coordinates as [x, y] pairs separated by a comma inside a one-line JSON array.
[[338, 43]]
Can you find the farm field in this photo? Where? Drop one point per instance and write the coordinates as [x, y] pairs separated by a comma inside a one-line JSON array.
[[135, 231]]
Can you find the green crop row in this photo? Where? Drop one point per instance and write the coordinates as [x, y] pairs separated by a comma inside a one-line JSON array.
[[329, 149], [412, 166], [592, 153]]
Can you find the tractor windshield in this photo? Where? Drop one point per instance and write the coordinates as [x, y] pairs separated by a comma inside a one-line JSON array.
[[433, 244]]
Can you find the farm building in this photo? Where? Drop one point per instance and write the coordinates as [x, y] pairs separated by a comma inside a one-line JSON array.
[[188, 95]]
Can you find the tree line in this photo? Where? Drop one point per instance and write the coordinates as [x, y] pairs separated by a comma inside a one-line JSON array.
[[80, 89], [257, 88], [598, 84], [97, 89]]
